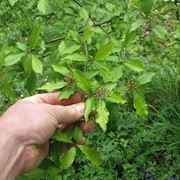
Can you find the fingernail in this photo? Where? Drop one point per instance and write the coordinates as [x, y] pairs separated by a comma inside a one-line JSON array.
[[80, 107]]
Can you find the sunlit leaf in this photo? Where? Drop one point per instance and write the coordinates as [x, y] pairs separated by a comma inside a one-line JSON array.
[[102, 116], [60, 68], [43, 6], [135, 65], [52, 86], [104, 51], [145, 78], [37, 65], [89, 104], [140, 103], [68, 158], [81, 81], [13, 58], [91, 154], [116, 98]]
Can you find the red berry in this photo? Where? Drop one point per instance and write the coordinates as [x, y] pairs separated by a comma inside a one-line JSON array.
[[87, 127]]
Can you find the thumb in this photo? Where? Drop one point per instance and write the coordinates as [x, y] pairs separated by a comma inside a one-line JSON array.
[[68, 114]]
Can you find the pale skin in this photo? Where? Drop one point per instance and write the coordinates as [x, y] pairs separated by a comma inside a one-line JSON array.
[[25, 129]]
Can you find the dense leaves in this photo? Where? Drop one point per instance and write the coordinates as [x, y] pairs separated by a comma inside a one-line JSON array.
[[122, 55]]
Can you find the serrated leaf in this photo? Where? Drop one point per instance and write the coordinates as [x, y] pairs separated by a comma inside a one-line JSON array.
[[92, 155], [146, 5], [62, 136], [36, 65], [59, 68], [33, 39], [68, 158], [52, 86], [76, 57], [140, 104], [102, 116], [135, 65], [84, 14], [116, 98], [104, 51], [81, 81], [43, 6], [89, 104], [12, 2], [13, 58], [66, 93], [145, 78]]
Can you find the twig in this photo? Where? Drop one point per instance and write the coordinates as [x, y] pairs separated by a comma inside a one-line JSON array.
[[78, 3], [177, 11]]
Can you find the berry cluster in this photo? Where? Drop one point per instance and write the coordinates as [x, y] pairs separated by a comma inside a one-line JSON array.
[[101, 93], [69, 80], [132, 85]]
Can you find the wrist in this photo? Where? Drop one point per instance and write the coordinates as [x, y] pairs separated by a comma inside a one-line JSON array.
[[11, 152]]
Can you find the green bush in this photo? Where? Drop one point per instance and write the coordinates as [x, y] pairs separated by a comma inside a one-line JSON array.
[[123, 55]]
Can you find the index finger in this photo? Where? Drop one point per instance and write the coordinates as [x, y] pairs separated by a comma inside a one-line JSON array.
[[53, 99]]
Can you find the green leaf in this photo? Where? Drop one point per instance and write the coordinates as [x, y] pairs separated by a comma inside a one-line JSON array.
[[12, 2], [27, 64], [66, 93], [160, 31], [116, 98], [136, 25], [13, 58], [62, 136], [50, 87], [77, 133], [145, 78], [68, 158], [1, 59], [129, 37], [81, 81], [135, 65], [140, 103], [61, 47], [71, 49], [92, 155], [76, 57], [104, 51], [89, 104], [21, 46], [43, 6], [111, 75], [67, 50], [36, 65], [31, 82], [33, 39], [146, 5], [84, 14], [59, 68], [102, 116]]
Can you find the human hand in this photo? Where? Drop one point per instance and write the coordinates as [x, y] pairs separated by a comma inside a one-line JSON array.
[[33, 120]]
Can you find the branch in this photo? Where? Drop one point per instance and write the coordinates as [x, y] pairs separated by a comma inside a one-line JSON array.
[[81, 31]]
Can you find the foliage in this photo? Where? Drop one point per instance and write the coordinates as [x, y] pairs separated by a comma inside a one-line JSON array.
[[123, 55]]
